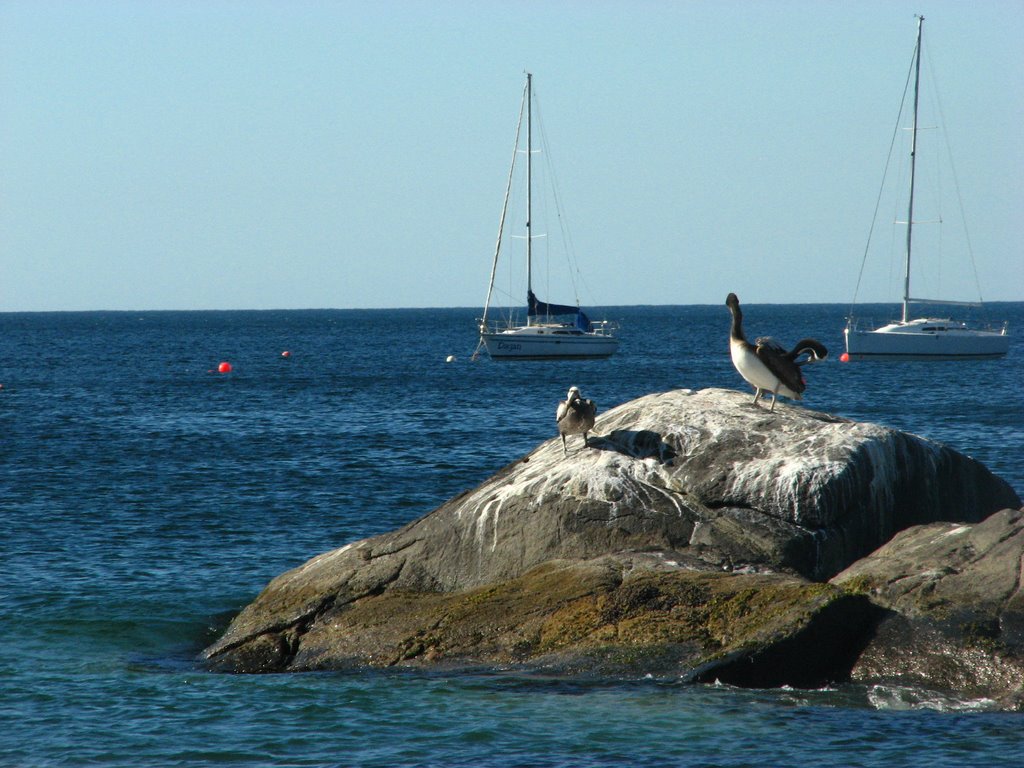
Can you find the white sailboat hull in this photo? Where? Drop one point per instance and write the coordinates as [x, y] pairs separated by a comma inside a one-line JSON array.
[[926, 339], [548, 343]]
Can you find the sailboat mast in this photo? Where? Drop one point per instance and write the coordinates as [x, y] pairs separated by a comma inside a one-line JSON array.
[[504, 212], [913, 163], [529, 186]]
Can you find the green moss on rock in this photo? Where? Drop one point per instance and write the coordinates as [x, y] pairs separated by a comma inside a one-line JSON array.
[[595, 615]]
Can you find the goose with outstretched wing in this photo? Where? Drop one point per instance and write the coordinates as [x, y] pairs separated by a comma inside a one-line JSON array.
[[766, 365]]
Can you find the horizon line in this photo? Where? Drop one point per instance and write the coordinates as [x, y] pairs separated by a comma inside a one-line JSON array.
[[590, 308]]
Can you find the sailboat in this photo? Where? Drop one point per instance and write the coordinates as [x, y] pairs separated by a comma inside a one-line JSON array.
[[551, 331], [928, 338]]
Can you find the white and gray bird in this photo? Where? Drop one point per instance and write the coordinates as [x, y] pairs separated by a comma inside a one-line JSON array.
[[766, 365], [575, 416]]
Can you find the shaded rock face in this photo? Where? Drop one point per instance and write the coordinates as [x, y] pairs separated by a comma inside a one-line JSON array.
[[695, 483], [612, 616], [956, 608]]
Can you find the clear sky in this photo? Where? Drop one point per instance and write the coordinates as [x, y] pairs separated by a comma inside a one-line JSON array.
[[205, 154]]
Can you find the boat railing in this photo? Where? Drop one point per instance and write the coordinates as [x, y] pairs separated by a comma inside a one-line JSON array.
[[604, 327], [855, 324], [597, 327], [1000, 329], [497, 325]]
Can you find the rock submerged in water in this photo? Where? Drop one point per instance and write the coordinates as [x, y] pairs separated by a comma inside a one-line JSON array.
[[694, 537], [954, 610]]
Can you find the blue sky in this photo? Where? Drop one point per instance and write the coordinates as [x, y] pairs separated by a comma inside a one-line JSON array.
[[194, 154]]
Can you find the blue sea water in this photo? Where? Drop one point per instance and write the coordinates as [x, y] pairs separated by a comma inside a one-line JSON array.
[[145, 498]]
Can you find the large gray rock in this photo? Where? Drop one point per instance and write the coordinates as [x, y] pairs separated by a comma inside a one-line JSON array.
[[705, 481], [956, 609]]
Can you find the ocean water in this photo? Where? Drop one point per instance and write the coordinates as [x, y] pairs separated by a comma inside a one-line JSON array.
[[146, 498]]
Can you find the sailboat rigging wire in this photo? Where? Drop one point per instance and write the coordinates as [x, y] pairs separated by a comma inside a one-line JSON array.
[[504, 208], [885, 173], [956, 181], [575, 274]]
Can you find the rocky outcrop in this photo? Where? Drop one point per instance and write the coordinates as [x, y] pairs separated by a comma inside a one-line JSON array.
[[688, 509], [611, 616], [955, 609]]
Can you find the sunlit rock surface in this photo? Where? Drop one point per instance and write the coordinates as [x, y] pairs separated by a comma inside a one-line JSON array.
[[676, 492]]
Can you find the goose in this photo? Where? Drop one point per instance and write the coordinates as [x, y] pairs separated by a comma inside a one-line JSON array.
[[575, 416], [766, 365]]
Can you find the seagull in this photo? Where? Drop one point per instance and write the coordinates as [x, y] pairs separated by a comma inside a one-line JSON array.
[[766, 365], [575, 416]]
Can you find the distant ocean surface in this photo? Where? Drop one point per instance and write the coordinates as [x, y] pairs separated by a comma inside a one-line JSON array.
[[146, 498]]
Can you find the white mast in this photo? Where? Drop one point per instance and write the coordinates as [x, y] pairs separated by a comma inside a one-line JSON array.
[[913, 161], [529, 190]]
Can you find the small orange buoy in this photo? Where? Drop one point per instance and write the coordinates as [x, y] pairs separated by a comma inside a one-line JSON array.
[[224, 368], [286, 353], [844, 358]]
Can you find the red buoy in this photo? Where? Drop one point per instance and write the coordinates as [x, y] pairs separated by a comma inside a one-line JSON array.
[[845, 357], [286, 353], [224, 368]]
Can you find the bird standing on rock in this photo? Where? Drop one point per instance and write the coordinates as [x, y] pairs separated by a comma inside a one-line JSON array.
[[766, 365], [575, 416]]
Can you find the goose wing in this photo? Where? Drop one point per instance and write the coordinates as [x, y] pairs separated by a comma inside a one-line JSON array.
[[588, 412], [782, 367], [562, 411], [770, 342]]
